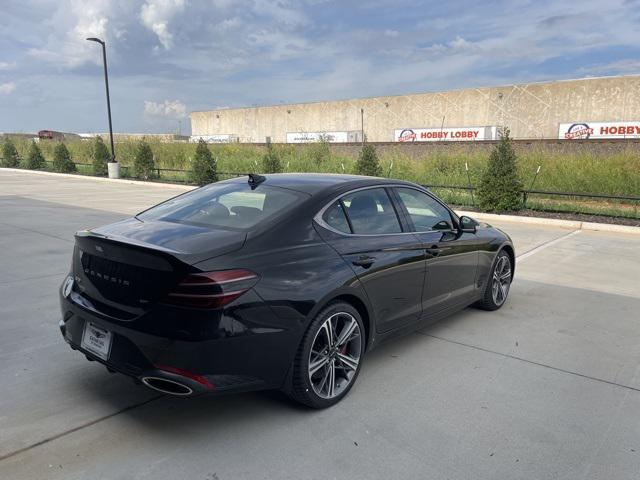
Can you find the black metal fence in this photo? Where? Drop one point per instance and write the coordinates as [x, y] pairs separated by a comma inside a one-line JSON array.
[[181, 176]]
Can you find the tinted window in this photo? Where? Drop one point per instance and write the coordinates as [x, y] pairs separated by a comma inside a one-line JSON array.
[[371, 212], [221, 205], [425, 212], [334, 217]]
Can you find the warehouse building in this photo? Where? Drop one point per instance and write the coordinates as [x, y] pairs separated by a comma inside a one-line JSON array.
[[605, 107]]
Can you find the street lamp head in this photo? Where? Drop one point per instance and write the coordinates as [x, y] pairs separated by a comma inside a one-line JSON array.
[[94, 39]]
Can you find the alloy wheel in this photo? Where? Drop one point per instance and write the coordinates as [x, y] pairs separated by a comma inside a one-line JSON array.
[[501, 280], [335, 355]]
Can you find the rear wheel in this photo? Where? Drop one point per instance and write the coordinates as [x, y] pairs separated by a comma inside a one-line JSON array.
[[499, 283], [328, 360]]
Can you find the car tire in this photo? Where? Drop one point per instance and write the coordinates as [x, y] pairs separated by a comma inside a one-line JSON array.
[[498, 284], [325, 370]]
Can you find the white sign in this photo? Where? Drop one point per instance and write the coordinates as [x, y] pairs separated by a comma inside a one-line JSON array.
[[310, 137], [211, 138], [584, 130], [460, 134]]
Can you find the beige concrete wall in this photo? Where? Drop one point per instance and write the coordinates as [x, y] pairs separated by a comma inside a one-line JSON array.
[[529, 110]]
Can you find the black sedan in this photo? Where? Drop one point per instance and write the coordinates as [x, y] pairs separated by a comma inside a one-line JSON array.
[[278, 281]]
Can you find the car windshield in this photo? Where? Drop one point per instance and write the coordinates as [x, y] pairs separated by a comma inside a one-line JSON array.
[[230, 206]]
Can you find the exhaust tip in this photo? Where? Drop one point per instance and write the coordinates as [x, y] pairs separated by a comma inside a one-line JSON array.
[[167, 386]]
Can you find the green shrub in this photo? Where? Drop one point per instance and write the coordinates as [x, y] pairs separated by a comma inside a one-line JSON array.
[[271, 161], [319, 152], [500, 187], [10, 158], [204, 168], [368, 163], [35, 159], [100, 156], [62, 159], [143, 164]]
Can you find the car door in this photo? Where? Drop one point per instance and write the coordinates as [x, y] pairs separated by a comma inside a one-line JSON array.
[[451, 255], [388, 260]]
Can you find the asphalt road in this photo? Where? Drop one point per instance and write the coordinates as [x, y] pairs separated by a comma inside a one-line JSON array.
[[548, 387]]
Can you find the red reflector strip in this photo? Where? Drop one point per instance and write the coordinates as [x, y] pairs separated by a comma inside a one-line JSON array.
[[185, 373], [212, 295]]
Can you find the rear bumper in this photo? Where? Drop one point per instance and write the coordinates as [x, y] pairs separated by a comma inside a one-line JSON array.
[[255, 354]]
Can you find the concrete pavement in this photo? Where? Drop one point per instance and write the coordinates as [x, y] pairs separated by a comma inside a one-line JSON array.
[[546, 387]]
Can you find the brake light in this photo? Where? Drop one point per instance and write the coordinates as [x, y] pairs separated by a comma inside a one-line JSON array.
[[212, 289]]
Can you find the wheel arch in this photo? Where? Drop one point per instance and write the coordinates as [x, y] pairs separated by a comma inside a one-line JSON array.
[[362, 309], [512, 256], [357, 301]]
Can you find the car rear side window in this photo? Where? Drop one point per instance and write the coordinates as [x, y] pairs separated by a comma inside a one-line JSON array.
[[371, 212], [426, 213], [232, 205], [334, 217]]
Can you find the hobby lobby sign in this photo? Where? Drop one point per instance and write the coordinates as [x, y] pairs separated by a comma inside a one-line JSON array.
[[465, 134], [573, 131]]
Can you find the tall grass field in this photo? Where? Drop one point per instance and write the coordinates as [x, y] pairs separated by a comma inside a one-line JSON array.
[[615, 173]]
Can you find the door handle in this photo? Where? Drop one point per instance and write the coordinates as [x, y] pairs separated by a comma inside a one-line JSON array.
[[364, 261], [434, 250]]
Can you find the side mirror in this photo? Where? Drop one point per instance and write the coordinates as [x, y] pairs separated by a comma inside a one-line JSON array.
[[468, 224]]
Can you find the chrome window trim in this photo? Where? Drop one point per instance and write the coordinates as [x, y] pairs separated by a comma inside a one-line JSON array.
[[318, 216]]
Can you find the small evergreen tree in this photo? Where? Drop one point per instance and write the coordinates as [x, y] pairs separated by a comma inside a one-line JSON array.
[[62, 161], [320, 152], [10, 158], [271, 161], [368, 163], [204, 169], [35, 159], [143, 164], [500, 186], [100, 156]]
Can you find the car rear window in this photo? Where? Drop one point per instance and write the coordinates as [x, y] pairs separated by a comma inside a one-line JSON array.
[[371, 212], [335, 218], [232, 206]]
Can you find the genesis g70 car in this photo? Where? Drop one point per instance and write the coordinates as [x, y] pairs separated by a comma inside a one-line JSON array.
[[281, 281]]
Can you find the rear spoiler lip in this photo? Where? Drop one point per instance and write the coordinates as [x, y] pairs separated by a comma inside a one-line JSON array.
[[173, 256], [120, 240]]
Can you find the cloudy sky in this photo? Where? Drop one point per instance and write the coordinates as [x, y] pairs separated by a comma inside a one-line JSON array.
[[170, 57]]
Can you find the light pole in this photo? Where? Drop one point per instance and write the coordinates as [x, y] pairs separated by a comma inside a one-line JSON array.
[[114, 171]]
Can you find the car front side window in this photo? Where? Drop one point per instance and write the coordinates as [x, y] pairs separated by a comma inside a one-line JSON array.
[[425, 212]]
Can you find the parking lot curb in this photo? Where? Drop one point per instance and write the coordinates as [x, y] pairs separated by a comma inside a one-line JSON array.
[[101, 179], [570, 224]]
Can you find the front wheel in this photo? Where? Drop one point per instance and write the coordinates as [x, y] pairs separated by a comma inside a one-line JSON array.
[[329, 358], [498, 284]]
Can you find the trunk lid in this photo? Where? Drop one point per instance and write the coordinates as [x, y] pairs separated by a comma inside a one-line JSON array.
[[188, 243], [124, 268]]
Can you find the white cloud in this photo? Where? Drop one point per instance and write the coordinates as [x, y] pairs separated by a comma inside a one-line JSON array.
[[74, 21], [391, 33], [168, 108], [156, 14], [624, 67], [7, 88], [7, 65]]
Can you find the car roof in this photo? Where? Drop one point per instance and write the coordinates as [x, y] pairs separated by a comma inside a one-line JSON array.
[[314, 183]]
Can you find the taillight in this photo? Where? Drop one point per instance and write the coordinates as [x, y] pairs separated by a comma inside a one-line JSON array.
[[212, 289]]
